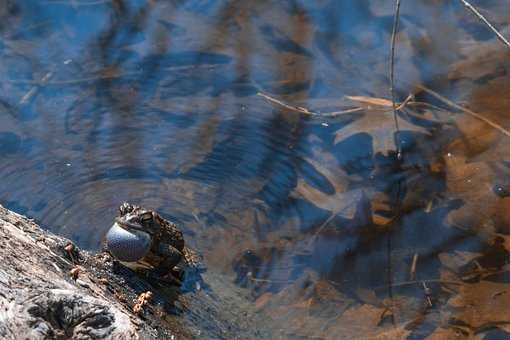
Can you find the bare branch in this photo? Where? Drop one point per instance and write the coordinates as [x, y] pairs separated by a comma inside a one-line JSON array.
[[392, 72], [465, 110], [304, 110], [486, 22]]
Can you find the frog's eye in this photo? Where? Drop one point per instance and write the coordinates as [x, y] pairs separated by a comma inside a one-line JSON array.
[[146, 217]]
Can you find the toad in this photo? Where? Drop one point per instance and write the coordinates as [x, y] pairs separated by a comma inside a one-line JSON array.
[[146, 242]]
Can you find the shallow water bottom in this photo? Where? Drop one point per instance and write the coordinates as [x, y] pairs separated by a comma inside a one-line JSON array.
[[265, 131]]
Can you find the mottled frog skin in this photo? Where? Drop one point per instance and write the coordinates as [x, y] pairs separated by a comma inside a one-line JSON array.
[[144, 241]]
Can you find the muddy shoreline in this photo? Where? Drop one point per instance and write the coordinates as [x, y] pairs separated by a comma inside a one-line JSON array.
[[51, 289]]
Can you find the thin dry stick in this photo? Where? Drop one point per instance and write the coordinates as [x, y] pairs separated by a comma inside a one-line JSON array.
[[397, 142], [428, 293], [32, 92], [413, 267], [406, 101], [287, 106], [75, 3], [410, 283], [98, 77], [485, 21], [270, 281], [392, 71], [70, 81], [463, 109], [304, 110], [325, 223]]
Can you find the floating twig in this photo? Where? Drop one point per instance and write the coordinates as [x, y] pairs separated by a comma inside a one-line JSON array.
[[392, 74], [390, 272], [465, 110], [410, 283], [412, 275], [75, 3], [72, 81], [486, 22], [102, 76], [428, 293], [379, 102], [33, 91], [408, 100], [251, 278], [305, 111]]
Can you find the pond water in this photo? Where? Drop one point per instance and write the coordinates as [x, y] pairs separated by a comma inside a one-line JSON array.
[[265, 130]]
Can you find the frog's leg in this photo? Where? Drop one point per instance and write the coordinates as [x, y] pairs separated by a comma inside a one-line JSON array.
[[171, 257]]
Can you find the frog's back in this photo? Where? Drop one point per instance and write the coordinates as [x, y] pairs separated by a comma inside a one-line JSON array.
[[171, 234], [193, 259]]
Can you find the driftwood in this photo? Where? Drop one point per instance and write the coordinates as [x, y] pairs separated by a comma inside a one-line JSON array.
[[49, 289]]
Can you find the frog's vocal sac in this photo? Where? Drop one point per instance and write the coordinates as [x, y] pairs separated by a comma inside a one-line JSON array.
[[144, 241]]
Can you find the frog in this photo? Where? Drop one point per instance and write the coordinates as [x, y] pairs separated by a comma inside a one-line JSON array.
[[144, 241]]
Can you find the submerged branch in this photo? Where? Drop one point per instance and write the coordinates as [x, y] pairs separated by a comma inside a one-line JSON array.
[[392, 72], [305, 110], [420, 282], [465, 110], [486, 22], [372, 104]]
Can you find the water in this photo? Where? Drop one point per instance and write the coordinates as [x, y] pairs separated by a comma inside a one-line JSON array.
[[156, 103]]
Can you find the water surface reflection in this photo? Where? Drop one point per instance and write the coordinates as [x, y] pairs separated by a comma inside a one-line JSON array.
[[156, 103]]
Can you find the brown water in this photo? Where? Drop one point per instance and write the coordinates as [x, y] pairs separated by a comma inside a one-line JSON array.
[[156, 103]]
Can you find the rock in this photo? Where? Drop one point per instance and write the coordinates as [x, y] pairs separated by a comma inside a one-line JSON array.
[[64, 313], [38, 298], [52, 290]]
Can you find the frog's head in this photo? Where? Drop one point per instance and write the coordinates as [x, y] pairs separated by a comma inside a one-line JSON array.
[[141, 220], [135, 218]]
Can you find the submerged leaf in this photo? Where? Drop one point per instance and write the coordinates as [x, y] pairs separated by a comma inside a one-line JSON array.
[[481, 305], [342, 201], [381, 127]]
